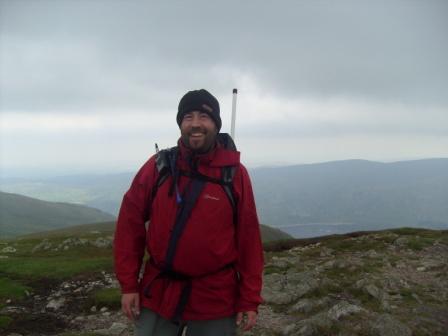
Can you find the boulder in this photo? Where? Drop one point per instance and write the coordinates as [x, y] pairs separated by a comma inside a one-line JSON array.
[[387, 325], [343, 309], [8, 249], [115, 329], [102, 242], [43, 245], [55, 304]]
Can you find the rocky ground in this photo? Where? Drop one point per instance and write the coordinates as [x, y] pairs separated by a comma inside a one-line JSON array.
[[385, 283]]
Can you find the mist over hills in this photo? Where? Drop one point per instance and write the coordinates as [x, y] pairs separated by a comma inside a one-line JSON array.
[[303, 200], [20, 215]]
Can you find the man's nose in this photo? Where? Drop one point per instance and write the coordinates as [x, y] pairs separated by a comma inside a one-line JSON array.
[[195, 121]]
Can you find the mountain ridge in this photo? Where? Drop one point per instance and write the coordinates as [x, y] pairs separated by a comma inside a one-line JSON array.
[[23, 214]]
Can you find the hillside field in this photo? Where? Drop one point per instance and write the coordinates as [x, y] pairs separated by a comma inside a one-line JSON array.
[[364, 283]]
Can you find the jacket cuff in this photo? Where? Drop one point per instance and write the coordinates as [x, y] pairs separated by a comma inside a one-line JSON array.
[[129, 289], [245, 306]]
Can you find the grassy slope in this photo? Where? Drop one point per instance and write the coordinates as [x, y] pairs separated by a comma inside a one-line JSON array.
[[269, 234], [20, 215], [22, 270]]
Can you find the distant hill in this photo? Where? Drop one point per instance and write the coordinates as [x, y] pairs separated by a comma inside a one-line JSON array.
[[268, 234], [20, 215], [303, 200], [353, 195], [103, 192]]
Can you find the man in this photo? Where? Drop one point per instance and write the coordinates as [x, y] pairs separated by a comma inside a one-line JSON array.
[[205, 264]]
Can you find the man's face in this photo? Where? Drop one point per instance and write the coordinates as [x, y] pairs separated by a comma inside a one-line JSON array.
[[198, 131]]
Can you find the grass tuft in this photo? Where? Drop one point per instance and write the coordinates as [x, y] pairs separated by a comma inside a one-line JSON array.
[[53, 268], [10, 289], [5, 321], [107, 297]]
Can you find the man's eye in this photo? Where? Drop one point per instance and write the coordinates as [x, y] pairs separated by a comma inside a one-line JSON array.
[[204, 116]]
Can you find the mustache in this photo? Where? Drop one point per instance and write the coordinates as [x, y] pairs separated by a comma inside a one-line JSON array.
[[197, 130]]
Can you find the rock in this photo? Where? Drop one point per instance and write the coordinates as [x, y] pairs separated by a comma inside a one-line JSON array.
[[289, 330], [117, 328], [329, 264], [433, 264], [285, 289], [102, 242], [326, 252], [402, 241], [373, 291], [277, 297], [103, 309], [343, 309], [341, 263], [306, 330], [13, 310], [4, 257], [372, 254], [14, 334], [43, 245], [417, 298], [104, 332], [55, 304], [8, 249], [303, 306], [386, 325], [73, 241], [312, 326], [93, 309], [385, 305], [280, 262]]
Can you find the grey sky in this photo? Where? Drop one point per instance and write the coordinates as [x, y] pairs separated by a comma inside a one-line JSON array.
[[318, 80]]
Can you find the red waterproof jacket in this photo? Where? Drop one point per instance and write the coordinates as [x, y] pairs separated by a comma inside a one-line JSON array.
[[223, 259]]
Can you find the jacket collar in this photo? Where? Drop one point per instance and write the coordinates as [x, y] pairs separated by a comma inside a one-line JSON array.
[[216, 157]]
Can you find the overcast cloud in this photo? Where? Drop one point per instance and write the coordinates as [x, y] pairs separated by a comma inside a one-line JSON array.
[[91, 85]]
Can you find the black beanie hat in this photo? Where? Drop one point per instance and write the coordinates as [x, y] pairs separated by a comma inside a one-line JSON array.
[[199, 100]]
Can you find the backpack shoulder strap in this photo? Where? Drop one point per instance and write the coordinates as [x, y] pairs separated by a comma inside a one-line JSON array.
[[190, 197], [227, 175], [165, 165]]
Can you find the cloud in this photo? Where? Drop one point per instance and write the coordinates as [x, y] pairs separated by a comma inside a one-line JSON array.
[[330, 79], [113, 53]]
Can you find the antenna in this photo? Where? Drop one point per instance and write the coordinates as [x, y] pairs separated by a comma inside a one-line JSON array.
[[232, 127]]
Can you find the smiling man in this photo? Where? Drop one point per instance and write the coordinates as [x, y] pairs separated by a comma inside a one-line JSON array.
[[202, 234]]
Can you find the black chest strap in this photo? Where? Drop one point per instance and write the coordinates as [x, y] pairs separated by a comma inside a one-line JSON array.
[[189, 199]]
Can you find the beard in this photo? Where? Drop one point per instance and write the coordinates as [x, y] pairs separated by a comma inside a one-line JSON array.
[[198, 139]]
